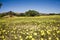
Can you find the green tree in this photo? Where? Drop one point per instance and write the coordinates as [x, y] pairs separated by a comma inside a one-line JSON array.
[[31, 13], [0, 5], [22, 14], [10, 13]]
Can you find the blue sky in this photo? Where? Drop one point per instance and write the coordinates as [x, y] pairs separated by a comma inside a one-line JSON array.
[[44, 6]]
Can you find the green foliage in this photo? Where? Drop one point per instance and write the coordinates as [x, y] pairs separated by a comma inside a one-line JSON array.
[[0, 5], [22, 14], [51, 13], [10, 13], [31, 13], [28, 13], [2, 14]]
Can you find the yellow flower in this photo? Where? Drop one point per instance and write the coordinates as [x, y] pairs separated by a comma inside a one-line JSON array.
[[53, 33], [30, 36], [49, 38], [21, 39], [48, 32], [33, 39], [14, 28], [42, 32], [12, 31], [55, 28], [15, 37], [58, 31], [6, 33], [3, 30], [58, 24], [4, 39], [27, 30], [19, 36], [35, 33], [2, 36], [42, 39], [21, 32], [57, 38], [27, 37]]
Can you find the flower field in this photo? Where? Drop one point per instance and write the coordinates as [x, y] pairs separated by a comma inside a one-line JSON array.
[[30, 28]]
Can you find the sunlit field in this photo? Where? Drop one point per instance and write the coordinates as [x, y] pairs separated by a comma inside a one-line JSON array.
[[30, 28]]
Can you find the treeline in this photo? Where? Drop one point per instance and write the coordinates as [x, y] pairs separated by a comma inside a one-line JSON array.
[[27, 13]]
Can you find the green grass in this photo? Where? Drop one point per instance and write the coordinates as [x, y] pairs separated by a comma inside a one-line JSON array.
[[30, 28]]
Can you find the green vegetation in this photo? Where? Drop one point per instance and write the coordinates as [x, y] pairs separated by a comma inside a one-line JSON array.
[[30, 28], [32, 13], [29, 13], [0, 5]]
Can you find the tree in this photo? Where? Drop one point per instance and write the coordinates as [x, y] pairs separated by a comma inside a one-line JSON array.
[[31, 13], [10, 13], [0, 5], [22, 14], [52, 13]]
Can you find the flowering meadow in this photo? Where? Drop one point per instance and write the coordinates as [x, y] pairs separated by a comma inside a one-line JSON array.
[[30, 28]]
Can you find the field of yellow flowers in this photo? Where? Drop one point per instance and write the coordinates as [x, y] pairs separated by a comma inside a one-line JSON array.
[[30, 28]]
